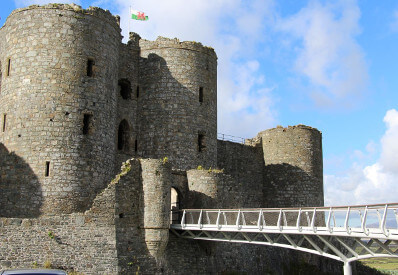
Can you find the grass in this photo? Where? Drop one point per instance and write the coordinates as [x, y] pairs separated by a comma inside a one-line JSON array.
[[386, 265]]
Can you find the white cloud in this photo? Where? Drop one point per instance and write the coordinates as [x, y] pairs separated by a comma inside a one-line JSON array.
[[329, 58], [376, 183], [394, 23], [389, 142], [25, 3]]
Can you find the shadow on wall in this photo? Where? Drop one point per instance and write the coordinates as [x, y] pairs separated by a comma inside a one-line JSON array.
[[20, 190], [290, 186], [173, 121]]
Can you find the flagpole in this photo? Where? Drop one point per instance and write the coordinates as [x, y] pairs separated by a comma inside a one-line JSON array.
[[129, 23]]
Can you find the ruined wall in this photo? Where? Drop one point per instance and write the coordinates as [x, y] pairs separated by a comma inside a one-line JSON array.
[[79, 242], [127, 95], [59, 99], [293, 166], [175, 77]]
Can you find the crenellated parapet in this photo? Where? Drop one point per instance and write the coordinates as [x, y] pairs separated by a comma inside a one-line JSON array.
[[101, 14], [164, 42]]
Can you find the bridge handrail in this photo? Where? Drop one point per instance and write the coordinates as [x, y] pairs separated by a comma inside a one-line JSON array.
[[353, 220], [370, 206]]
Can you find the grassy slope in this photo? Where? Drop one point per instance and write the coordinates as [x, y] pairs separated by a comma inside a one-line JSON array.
[[387, 265]]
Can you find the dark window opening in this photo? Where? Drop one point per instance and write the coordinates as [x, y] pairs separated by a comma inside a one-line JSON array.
[[136, 145], [201, 142], [47, 169], [123, 136], [90, 66], [8, 67], [125, 88], [137, 92], [87, 124], [201, 94], [121, 215], [4, 122]]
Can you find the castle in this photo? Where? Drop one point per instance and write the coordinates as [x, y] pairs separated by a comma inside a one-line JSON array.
[[76, 102]]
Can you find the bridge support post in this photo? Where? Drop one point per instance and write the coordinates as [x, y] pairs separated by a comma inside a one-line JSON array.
[[347, 268]]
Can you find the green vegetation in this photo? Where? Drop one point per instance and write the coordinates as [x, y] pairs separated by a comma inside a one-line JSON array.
[[51, 235], [47, 264], [126, 167], [385, 265], [214, 170]]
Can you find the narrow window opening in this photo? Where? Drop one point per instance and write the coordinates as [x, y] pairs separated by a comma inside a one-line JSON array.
[[4, 122], [87, 124], [123, 136], [201, 142], [121, 215], [8, 66], [137, 92], [201, 94], [47, 169], [125, 88], [90, 65], [136, 145]]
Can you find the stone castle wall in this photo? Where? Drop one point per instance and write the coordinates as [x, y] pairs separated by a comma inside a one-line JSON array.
[[172, 116], [59, 119], [293, 166], [245, 164], [110, 238], [75, 103]]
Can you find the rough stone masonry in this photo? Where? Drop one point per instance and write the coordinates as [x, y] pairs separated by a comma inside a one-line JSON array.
[[76, 102]]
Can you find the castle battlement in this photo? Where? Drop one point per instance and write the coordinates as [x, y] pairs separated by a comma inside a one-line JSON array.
[[93, 11], [164, 42]]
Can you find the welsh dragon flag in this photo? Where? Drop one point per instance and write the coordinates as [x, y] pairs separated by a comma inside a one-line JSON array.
[[137, 15]]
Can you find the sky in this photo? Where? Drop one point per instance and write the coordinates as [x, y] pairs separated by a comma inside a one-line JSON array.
[[331, 65]]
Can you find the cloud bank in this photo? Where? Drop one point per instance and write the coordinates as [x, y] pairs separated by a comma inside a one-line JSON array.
[[329, 61], [375, 183]]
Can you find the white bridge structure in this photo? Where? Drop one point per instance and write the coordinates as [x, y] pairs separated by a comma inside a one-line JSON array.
[[344, 233]]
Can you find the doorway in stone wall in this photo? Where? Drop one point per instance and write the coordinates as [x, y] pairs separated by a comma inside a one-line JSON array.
[[175, 206]]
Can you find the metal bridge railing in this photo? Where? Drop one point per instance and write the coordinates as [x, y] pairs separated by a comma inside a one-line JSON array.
[[344, 233], [360, 221]]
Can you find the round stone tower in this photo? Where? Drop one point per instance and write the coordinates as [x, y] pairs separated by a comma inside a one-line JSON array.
[[293, 166], [58, 99], [177, 103]]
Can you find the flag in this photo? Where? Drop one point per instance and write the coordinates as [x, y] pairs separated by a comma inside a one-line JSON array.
[[137, 15]]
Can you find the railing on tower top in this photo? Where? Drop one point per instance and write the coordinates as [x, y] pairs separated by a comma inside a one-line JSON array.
[[225, 137]]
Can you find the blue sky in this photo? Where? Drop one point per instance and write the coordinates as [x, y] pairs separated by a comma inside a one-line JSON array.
[[328, 64]]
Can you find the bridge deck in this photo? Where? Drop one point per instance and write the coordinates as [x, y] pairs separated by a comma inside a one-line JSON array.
[[345, 233]]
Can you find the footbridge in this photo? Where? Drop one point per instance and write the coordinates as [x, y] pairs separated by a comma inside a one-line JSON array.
[[344, 233]]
